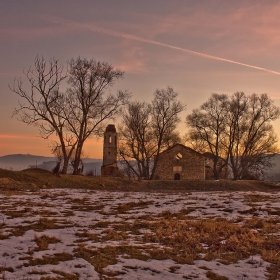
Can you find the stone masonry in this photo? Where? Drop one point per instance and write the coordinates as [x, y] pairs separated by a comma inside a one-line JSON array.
[[109, 167], [180, 163]]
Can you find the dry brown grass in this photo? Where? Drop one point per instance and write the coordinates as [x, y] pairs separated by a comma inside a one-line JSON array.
[[102, 257], [44, 241], [40, 225], [213, 276], [11, 214], [85, 235], [35, 271], [123, 208], [4, 236], [181, 240], [3, 270], [54, 259]]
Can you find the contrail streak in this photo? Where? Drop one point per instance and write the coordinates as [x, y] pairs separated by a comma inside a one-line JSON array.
[[140, 39]]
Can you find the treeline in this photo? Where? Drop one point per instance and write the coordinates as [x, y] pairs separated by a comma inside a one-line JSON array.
[[236, 130]]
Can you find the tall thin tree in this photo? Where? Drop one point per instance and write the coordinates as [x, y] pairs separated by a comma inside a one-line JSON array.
[[42, 103]]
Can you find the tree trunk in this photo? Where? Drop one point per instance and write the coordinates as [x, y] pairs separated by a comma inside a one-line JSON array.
[[77, 160], [215, 169], [64, 168]]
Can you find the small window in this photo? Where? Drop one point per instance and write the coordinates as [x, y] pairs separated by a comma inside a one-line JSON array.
[[110, 139], [179, 156], [177, 168]]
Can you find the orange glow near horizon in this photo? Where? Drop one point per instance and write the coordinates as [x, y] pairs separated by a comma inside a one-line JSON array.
[[35, 145], [17, 136]]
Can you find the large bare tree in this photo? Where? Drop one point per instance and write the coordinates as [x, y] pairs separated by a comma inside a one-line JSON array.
[[251, 137], [237, 130], [41, 103], [89, 102], [148, 129], [73, 115]]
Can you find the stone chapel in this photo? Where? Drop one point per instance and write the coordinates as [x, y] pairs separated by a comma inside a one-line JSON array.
[[180, 163]]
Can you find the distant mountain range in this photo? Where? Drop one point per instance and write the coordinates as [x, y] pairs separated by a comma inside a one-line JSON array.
[[20, 162]]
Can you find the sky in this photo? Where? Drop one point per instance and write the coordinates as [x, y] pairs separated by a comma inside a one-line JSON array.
[[198, 47]]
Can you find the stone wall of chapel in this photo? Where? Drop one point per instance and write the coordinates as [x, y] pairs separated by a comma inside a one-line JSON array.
[[192, 164]]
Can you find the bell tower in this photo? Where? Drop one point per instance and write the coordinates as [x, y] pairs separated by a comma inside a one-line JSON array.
[[109, 151]]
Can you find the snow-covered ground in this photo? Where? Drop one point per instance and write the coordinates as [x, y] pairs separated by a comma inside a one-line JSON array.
[[61, 233]]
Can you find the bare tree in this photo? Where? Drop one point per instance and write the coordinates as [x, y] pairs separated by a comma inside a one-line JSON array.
[[76, 114], [41, 105], [165, 118], [59, 158], [137, 139], [57, 151], [237, 131], [252, 140], [81, 163], [148, 129], [208, 123], [89, 102]]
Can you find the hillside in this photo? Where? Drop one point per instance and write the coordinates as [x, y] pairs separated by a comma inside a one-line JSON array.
[[38, 178]]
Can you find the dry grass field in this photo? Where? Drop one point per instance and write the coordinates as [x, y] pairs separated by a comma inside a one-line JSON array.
[[74, 227]]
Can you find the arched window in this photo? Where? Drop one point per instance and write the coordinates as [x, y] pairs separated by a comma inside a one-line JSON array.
[[177, 176], [110, 139]]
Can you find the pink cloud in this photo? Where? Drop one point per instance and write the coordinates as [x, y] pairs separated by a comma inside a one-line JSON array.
[[133, 60], [250, 29], [110, 32]]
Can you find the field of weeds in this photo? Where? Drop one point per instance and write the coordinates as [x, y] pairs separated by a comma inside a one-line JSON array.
[[94, 234]]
